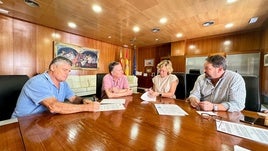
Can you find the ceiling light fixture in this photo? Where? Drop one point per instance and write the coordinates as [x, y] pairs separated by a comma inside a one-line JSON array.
[[179, 35], [231, 1], [3, 11], [253, 20], [31, 3], [155, 30], [229, 25], [208, 23], [1, 2], [163, 20], [136, 29], [96, 8], [72, 25]]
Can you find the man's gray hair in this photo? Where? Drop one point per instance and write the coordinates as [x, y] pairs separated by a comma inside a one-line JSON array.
[[60, 59], [217, 61]]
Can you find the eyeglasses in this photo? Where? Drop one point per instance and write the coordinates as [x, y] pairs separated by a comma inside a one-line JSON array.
[[216, 118], [209, 116]]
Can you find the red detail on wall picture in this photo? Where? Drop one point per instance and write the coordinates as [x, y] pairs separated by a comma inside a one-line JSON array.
[[82, 57]]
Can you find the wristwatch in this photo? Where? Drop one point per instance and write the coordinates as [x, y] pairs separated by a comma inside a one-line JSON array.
[[160, 94], [215, 107]]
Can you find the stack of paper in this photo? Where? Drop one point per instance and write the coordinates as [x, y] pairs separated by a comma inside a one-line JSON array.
[[245, 131], [170, 109], [112, 104], [145, 97], [113, 101]]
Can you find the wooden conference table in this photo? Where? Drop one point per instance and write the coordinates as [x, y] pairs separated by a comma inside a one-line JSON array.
[[138, 127]]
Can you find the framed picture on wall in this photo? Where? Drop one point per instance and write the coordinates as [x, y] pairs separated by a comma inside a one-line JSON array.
[[265, 60], [148, 62], [82, 57]]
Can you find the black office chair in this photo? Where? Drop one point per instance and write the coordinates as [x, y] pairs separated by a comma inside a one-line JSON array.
[[253, 102], [181, 87], [190, 81], [99, 84], [194, 71], [10, 88]]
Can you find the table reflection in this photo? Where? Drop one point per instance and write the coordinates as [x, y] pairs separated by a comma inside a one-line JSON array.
[[138, 127]]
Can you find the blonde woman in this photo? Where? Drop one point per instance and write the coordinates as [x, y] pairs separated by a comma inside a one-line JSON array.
[[165, 83]]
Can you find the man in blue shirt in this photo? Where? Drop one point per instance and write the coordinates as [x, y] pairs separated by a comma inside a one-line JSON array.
[[218, 89], [48, 91]]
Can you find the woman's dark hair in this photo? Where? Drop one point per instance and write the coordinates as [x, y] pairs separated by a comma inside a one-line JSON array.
[[111, 66], [217, 61]]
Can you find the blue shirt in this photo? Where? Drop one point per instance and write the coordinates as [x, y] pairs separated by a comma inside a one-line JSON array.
[[37, 89], [230, 91]]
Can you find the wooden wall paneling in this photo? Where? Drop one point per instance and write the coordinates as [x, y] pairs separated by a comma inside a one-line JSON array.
[[178, 48], [31, 51], [264, 46], [178, 63], [6, 45], [247, 41], [107, 56], [44, 48], [145, 53], [24, 48], [242, 42], [196, 47]]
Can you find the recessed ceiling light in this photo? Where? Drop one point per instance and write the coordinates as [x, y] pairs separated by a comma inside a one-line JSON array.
[[72, 25], [253, 20], [231, 1], [109, 37], [156, 39], [208, 23], [3, 11], [96, 8], [229, 25], [155, 30], [163, 20], [1, 2], [136, 29], [179, 35], [31, 3]]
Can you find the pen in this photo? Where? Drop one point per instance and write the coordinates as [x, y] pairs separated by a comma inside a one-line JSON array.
[[94, 99]]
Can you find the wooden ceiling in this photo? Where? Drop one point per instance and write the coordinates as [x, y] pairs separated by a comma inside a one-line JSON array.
[[118, 17]]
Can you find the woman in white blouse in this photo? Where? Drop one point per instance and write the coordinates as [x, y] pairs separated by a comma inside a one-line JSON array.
[[165, 83]]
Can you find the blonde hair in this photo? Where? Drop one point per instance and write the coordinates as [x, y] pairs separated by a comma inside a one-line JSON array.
[[167, 64]]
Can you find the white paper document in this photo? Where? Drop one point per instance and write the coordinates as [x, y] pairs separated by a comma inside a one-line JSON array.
[[244, 131], [113, 101], [111, 107], [9, 121], [239, 148], [170, 109], [145, 97]]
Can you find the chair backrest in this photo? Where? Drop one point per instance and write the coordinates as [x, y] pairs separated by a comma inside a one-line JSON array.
[[99, 84], [253, 102], [190, 81], [181, 87], [10, 87], [194, 71]]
